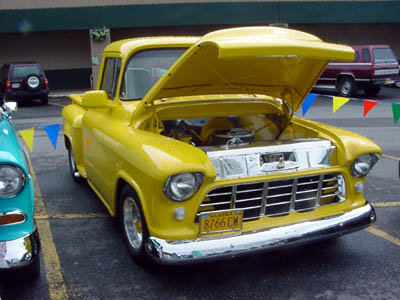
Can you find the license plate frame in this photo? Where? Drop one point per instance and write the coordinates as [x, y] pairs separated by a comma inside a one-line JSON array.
[[221, 221]]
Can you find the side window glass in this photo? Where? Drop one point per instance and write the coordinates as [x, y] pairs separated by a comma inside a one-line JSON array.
[[365, 55], [356, 56], [110, 76]]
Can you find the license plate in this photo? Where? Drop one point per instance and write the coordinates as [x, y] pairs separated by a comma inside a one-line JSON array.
[[389, 81], [15, 85], [221, 221]]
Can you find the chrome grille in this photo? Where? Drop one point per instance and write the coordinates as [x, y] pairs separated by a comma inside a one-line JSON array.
[[276, 197]]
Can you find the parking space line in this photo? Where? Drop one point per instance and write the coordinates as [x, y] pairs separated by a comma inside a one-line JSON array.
[[55, 281], [386, 204], [384, 235], [56, 104], [71, 216], [390, 157]]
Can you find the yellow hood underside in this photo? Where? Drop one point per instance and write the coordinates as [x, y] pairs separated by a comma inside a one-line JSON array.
[[271, 61]]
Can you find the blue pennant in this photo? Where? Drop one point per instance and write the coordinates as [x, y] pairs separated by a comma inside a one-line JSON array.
[[308, 102], [52, 132]]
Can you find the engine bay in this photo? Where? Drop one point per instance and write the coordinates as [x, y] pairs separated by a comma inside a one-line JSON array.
[[251, 145]]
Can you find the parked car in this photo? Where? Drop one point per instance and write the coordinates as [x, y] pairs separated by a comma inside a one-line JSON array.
[[208, 161], [23, 81], [19, 238], [373, 67]]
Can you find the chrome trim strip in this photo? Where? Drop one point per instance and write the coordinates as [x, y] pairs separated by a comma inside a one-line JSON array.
[[19, 252], [213, 248], [349, 64]]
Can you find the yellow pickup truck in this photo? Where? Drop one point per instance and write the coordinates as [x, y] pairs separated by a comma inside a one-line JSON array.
[[193, 144]]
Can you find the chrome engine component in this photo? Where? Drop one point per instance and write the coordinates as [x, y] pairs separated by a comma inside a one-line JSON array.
[[233, 137], [260, 158]]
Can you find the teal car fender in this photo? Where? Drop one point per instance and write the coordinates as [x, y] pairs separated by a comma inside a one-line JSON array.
[[19, 239]]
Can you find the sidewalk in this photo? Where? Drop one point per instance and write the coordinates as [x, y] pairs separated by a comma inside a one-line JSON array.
[[64, 93]]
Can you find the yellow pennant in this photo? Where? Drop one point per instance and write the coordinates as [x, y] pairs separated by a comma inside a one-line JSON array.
[[27, 135], [338, 102]]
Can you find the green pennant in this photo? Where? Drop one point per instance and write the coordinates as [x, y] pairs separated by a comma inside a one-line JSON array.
[[396, 112]]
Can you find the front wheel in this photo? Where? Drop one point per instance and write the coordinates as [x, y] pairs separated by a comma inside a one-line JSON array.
[[76, 176], [3, 99], [27, 273], [133, 223], [346, 87]]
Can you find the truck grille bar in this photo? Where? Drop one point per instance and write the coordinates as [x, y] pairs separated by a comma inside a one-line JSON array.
[[277, 197]]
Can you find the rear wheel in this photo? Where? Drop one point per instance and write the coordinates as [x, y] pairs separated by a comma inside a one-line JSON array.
[[372, 90], [133, 223], [76, 176], [44, 100], [346, 87]]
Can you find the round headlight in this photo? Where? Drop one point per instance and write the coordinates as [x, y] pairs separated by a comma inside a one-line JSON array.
[[12, 180], [182, 186], [363, 164]]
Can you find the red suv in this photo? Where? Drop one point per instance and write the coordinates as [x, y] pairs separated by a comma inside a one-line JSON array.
[[373, 66], [22, 81]]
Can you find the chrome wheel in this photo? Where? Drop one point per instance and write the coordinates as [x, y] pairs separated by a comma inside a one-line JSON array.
[[132, 223], [346, 87]]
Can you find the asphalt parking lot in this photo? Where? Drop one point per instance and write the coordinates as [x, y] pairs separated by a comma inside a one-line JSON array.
[[84, 256]]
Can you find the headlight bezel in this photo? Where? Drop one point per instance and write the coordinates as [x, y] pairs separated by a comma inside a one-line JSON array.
[[363, 164], [171, 186], [18, 186]]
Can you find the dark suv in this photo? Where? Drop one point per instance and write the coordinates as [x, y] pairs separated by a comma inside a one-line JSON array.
[[373, 67], [22, 81]]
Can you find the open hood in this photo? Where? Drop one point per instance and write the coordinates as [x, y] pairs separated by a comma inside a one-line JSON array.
[[271, 61]]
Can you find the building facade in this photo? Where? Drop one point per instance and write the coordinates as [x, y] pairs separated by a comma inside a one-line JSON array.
[[56, 33]]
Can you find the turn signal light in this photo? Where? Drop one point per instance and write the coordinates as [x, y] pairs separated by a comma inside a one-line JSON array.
[[12, 218], [46, 83]]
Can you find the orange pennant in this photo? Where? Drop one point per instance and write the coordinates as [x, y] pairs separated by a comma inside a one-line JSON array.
[[368, 105]]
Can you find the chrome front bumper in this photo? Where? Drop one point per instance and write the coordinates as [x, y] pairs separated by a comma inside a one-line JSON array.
[[205, 249], [20, 252]]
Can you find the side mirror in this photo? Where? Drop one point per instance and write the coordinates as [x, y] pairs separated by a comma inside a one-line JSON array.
[[10, 107], [93, 99], [7, 109]]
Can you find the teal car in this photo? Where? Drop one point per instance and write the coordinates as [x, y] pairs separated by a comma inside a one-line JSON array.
[[19, 238]]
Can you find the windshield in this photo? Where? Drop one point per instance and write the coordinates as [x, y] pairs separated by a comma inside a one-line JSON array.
[[22, 71], [384, 55], [144, 69]]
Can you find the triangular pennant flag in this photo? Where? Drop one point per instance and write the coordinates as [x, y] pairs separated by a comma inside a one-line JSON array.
[[338, 102], [27, 135], [396, 112], [368, 105], [308, 102], [52, 133]]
